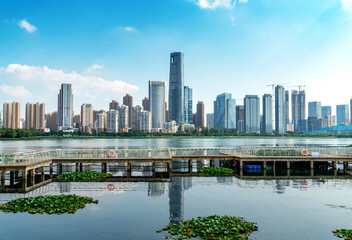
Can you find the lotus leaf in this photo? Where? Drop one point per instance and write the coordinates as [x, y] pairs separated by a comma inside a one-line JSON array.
[[82, 176]]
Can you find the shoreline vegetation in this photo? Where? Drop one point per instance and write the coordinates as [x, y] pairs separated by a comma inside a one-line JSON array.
[[24, 134]]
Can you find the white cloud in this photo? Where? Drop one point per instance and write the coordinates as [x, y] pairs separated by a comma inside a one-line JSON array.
[[26, 25], [346, 5], [15, 91], [243, 1], [233, 23], [213, 4], [129, 29], [93, 68], [51, 78]]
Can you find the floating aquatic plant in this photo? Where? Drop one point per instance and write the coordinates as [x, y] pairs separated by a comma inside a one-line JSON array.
[[82, 176], [343, 233], [211, 227], [51, 204], [215, 171]]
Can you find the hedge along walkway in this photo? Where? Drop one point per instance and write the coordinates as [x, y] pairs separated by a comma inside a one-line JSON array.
[[51, 204], [215, 171]]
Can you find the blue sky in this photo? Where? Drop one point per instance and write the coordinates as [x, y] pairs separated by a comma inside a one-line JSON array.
[[110, 48]]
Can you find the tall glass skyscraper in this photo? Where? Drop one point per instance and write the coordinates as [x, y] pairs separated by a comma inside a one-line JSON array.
[[351, 111], [251, 113], [280, 109], [188, 102], [176, 91], [287, 108], [298, 100], [314, 110], [65, 107], [157, 103], [267, 113], [225, 111], [342, 115]]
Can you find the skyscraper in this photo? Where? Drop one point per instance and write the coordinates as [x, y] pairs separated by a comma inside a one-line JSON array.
[[176, 91], [200, 115], [35, 116], [326, 115], [123, 118], [351, 111], [114, 105], [87, 117], [210, 120], [146, 103], [251, 113], [65, 107], [240, 118], [225, 111], [267, 113], [314, 110], [287, 108], [12, 115], [342, 115], [298, 100], [188, 102], [280, 109], [112, 122], [128, 101], [157, 103]]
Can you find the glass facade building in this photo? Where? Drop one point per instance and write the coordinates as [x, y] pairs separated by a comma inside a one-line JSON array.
[[280, 119], [225, 111], [176, 85], [252, 113], [342, 114], [267, 113], [188, 102], [157, 103], [65, 107], [314, 110], [298, 101]]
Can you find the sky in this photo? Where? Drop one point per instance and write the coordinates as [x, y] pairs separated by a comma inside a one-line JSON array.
[[109, 48]]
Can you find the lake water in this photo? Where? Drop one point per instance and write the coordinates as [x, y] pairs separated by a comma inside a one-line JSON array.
[[284, 209]]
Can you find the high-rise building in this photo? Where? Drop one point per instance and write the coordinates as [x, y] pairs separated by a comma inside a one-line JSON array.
[[128, 101], [87, 117], [200, 115], [135, 111], [77, 120], [166, 112], [287, 108], [176, 85], [314, 110], [225, 111], [252, 113], [146, 103], [12, 115], [142, 120], [157, 103], [342, 115], [267, 113], [210, 120], [100, 122], [326, 115], [351, 111], [123, 118], [35, 116], [114, 105], [65, 107], [54, 121], [112, 121], [240, 118], [188, 102], [298, 100], [280, 121]]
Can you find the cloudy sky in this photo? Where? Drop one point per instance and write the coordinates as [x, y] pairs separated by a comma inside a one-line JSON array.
[[109, 48]]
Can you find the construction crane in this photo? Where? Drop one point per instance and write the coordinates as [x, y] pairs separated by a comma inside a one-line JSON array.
[[299, 87]]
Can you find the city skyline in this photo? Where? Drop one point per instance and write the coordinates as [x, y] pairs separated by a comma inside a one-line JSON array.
[[312, 49]]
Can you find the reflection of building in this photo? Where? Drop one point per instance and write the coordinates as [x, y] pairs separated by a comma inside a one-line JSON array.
[[176, 197], [156, 189]]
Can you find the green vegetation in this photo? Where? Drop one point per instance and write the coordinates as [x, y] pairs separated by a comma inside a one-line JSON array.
[[52, 204], [343, 233], [212, 227], [215, 171], [82, 176], [278, 152]]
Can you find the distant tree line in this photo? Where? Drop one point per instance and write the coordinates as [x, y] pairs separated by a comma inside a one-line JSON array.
[[201, 132]]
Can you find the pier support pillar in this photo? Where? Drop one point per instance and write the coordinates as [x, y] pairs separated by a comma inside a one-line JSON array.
[[153, 169], [334, 165], [212, 163], [129, 170], [59, 168], [51, 171], [169, 167], [190, 163], [311, 164], [3, 178], [288, 172], [345, 166], [241, 164], [31, 176], [12, 177], [24, 178], [312, 172], [288, 164], [104, 167], [81, 167], [43, 173], [77, 167]]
